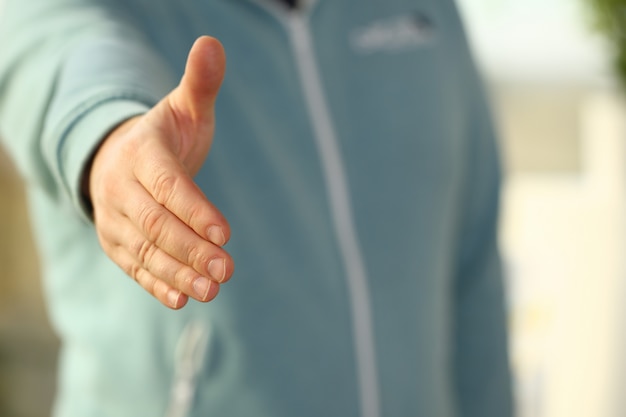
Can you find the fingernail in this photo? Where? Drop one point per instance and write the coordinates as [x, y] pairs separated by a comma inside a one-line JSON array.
[[216, 235], [217, 269], [172, 297], [201, 286]]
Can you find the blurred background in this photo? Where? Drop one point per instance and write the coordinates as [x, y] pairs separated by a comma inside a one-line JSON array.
[[562, 121]]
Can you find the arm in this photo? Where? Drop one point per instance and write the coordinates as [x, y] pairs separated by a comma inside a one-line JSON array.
[[71, 71], [481, 370], [481, 354], [61, 63]]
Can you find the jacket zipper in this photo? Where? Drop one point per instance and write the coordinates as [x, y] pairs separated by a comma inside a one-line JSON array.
[[342, 215], [341, 211], [191, 351]]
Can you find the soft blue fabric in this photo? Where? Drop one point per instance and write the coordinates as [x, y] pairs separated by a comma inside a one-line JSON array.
[[422, 170]]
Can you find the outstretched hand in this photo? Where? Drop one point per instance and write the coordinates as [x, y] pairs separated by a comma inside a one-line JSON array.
[[151, 218]]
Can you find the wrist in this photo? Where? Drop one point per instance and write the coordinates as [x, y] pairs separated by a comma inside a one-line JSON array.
[[85, 181]]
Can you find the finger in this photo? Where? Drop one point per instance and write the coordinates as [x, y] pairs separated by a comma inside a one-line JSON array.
[[204, 72], [167, 181], [173, 272], [165, 230], [166, 294], [159, 264]]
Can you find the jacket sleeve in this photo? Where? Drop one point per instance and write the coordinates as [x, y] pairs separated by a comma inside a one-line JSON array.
[[70, 71], [481, 345], [481, 369]]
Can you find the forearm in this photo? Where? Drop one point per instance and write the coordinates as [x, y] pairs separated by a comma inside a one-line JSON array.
[[70, 71]]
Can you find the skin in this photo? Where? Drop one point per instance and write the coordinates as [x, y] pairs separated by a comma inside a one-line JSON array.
[[151, 218]]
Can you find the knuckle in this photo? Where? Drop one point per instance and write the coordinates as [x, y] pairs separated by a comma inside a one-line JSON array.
[[184, 277], [152, 220], [195, 213], [197, 256], [164, 186], [143, 250], [156, 289], [133, 270], [146, 280], [136, 246]]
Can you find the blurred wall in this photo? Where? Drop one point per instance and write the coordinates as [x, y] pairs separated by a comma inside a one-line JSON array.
[[563, 227], [28, 347]]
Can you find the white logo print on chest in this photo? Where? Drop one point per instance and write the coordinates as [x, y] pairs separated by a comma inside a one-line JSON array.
[[394, 34]]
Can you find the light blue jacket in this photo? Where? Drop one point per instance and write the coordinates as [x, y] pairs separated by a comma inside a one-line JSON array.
[[356, 164]]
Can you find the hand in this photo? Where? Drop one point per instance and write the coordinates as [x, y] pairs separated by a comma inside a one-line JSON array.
[[151, 218]]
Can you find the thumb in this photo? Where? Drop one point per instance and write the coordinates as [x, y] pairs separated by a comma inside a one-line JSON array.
[[204, 72]]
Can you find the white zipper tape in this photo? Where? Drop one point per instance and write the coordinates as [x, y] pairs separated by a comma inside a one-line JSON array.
[[189, 361], [341, 211]]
